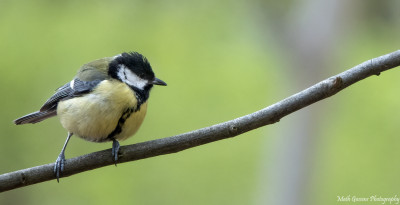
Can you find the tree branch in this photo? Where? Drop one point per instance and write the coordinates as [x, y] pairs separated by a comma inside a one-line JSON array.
[[266, 116]]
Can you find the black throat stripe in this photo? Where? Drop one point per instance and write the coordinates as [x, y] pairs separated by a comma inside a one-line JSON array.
[[118, 129], [141, 95]]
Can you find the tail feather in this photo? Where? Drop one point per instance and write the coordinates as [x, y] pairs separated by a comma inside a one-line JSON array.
[[35, 117]]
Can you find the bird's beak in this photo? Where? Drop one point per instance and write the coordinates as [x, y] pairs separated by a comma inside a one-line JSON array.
[[157, 81]]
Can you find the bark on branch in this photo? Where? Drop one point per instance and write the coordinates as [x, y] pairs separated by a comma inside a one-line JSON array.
[[232, 128]]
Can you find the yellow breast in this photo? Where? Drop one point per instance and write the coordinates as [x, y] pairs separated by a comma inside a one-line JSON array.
[[95, 115]]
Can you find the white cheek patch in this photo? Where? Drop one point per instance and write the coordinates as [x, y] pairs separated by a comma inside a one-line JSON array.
[[130, 78]]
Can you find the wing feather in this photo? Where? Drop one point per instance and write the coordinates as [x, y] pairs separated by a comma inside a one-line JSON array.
[[88, 77], [72, 89]]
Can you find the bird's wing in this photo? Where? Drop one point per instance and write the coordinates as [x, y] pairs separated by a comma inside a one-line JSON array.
[[72, 89]]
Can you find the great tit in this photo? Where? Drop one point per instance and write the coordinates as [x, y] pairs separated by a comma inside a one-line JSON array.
[[106, 101]]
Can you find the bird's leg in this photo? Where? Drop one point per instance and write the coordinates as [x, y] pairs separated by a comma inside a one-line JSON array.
[[59, 165], [114, 151]]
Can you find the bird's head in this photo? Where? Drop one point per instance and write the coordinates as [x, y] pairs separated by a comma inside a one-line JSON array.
[[133, 69]]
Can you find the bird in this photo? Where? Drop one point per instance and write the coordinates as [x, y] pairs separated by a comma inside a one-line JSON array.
[[106, 101]]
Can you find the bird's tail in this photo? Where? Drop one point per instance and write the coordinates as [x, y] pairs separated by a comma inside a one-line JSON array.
[[35, 117]]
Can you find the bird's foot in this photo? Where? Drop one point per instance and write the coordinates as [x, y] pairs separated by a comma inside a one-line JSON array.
[[59, 166], [115, 150]]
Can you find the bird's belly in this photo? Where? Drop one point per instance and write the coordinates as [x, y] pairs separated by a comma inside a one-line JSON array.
[[96, 115], [132, 124]]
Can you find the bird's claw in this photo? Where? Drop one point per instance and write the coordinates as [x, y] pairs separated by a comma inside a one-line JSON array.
[[59, 166], [115, 150]]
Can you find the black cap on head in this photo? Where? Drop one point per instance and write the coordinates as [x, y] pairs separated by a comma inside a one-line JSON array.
[[134, 70], [135, 62]]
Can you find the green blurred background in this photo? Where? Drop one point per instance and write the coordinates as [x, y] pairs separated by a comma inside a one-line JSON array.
[[221, 60]]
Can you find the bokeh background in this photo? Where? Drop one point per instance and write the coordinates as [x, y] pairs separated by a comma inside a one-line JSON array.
[[221, 60]]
